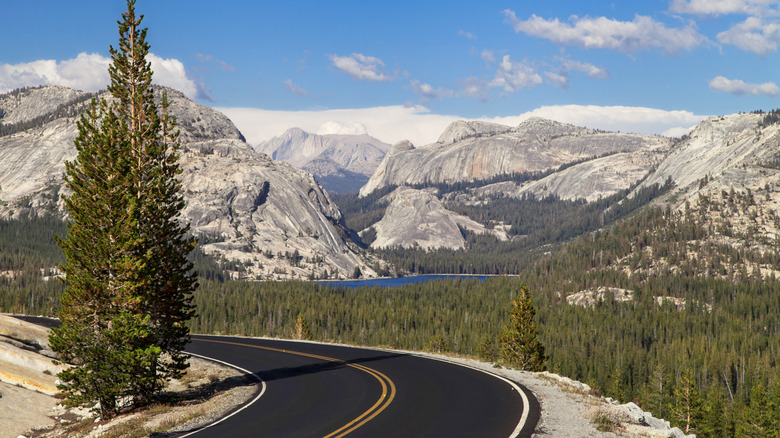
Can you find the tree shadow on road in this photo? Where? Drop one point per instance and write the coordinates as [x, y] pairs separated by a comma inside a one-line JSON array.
[[321, 365]]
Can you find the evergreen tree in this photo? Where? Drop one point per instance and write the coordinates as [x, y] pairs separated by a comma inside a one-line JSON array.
[[486, 350], [687, 408], [518, 340], [129, 283], [301, 330], [713, 423], [757, 417]]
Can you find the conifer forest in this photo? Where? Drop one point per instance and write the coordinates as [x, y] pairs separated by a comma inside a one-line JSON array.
[[720, 339]]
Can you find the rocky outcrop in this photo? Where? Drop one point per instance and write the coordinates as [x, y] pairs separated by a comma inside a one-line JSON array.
[[591, 180], [589, 297], [469, 151], [26, 104], [728, 151], [25, 356], [342, 162], [418, 219], [261, 212], [274, 218]]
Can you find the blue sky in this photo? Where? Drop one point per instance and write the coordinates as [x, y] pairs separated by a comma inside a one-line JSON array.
[[402, 69]]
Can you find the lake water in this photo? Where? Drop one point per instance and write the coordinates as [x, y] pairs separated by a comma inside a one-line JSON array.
[[400, 281]]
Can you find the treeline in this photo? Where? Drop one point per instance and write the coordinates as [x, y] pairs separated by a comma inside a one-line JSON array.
[[722, 342], [30, 256], [721, 345], [536, 226]]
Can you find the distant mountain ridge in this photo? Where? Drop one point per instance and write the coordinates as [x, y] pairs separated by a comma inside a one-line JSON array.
[[469, 151], [274, 219], [341, 162]]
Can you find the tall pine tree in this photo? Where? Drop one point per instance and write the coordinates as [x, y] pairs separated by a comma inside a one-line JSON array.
[[129, 283], [518, 341]]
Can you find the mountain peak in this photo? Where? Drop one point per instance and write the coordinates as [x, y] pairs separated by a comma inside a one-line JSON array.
[[461, 129]]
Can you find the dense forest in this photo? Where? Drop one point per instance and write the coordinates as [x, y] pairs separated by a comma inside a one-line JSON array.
[[719, 342], [536, 226]]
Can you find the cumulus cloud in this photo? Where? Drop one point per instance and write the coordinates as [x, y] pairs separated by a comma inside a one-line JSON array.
[[643, 33], [738, 87], [589, 69], [487, 55], [294, 89], [513, 76], [561, 77], [417, 124], [361, 67], [89, 72], [428, 91], [720, 7], [753, 35], [475, 87]]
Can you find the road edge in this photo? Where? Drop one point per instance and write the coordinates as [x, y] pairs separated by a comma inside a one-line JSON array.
[[528, 420], [263, 387]]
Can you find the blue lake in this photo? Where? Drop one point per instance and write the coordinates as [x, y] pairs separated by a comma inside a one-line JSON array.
[[400, 281]]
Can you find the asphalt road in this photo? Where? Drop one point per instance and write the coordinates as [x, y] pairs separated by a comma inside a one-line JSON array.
[[321, 390]]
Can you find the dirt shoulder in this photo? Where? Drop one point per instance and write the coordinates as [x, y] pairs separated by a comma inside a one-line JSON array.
[[205, 394]]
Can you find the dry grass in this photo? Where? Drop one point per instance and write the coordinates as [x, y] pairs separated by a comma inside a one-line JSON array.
[[205, 393]]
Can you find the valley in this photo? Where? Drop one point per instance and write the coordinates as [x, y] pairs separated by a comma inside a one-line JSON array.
[[686, 227]]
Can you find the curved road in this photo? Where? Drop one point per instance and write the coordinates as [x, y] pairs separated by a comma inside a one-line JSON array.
[[322, 390]]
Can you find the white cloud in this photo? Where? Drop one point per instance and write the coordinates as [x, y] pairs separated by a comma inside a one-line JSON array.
[[362, 67], [738, 87], [428, 91], [171, 73], [468, 35], [475, 87], [514, 76], [753, 35], [294, 89], [336, 127], [589, 69], [561, 77], [89, 72], [612, 118], [721, 7], [487, 55], [416, 124], [390, 124], [643, 33]]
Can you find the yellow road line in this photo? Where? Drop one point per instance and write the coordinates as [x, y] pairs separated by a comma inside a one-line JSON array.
[[384, 400]]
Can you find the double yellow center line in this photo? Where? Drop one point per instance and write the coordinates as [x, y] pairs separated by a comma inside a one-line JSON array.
[[388, 387]]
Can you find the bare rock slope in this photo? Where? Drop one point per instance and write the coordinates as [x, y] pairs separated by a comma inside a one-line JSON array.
[[273, 217], [469, 151], [418, 219], [342, 163]]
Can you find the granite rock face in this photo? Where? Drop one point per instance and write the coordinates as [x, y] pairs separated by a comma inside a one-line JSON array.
[[418, 219], [247, 206], [341, 162], [469, 151]]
